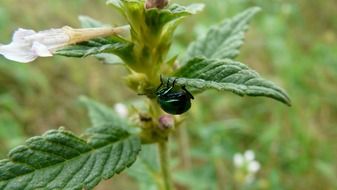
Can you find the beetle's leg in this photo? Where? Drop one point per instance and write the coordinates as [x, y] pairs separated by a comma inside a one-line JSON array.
[[161, 83], [168, 83], [184, 88], [174, 82], [168, 90]]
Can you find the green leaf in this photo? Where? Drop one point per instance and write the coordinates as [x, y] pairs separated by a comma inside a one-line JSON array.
[[128, 8], [60, 160], [227, 75], [115, 3], [224, 40], [108, 58], [156, 19], [115, 45], [150, 22], [101, 115]]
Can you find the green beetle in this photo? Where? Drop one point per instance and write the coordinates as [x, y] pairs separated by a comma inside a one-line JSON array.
[[173, 100]]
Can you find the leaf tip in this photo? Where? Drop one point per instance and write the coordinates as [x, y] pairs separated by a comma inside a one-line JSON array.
[[256, 9], [288, 101], [196, 8], [283, 97], [253, 10], [83, 99]]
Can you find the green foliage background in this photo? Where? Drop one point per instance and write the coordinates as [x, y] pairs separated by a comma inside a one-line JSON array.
[[293, 43]]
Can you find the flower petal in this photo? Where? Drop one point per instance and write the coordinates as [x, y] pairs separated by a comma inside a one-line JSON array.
[[249, 155], [51, 38], [41, 50], [238, 160], [17, 53], [254, 167], [20, 34]]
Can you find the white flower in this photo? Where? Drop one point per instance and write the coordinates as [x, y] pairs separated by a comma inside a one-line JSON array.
[[121, 110], [27, 45], [249, 155], [238, 160], [253, 166], [246, 165]]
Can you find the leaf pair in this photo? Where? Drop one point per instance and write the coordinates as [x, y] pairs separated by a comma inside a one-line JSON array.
[[152, 20], [60, 160], [207, 63]]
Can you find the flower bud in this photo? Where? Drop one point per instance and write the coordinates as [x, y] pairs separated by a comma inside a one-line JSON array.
[[121, 110], [166, 122], [160, 4]]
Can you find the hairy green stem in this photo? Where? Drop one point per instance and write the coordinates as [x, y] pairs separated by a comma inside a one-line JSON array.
[[164, 164]]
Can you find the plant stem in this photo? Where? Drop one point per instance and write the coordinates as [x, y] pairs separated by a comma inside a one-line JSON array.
[[164, 164], [184, 145], [220, 173]]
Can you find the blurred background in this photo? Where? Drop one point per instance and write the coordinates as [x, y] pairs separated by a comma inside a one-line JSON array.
[[293, 43]]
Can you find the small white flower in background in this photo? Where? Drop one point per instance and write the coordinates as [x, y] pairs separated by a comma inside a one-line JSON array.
[[247, 166], [121, 110], [27, 45], [249, 155], [238, 160], [253, 166]]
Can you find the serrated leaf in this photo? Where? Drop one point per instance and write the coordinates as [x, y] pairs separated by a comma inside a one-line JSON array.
[[60, 160], [114, 45], [227, 75], [224, 40]]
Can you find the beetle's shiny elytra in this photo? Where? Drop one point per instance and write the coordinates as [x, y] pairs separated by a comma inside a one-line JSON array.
[[173, 100]]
